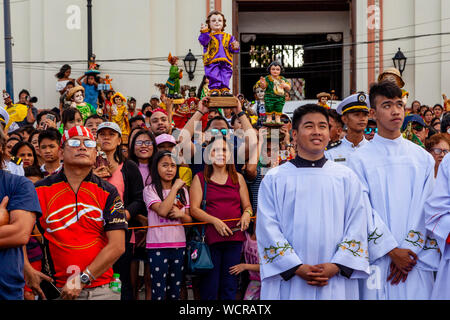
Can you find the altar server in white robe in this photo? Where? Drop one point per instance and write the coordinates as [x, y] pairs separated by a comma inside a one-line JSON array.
[[398, 177], [312, 222], [437, 218]]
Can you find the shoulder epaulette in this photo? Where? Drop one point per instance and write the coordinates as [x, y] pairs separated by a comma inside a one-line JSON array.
[[16, 160], [333, 145]]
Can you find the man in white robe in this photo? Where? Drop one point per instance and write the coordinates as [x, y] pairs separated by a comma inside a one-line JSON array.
[[437, 219], [397, 176], [312, 222]]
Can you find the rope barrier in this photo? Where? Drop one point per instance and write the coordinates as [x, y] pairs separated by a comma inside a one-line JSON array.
[[169, 225]]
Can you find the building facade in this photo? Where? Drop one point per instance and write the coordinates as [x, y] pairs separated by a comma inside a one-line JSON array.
[[325, 45]]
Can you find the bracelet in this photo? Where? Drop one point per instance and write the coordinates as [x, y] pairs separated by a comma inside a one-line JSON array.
[[200, 112], [250, 211], [90, 274]]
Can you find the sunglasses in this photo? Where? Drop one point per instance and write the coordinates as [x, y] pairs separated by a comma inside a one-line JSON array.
[[76, 143], [418, 127], [439, 151], [146, 143], [370, 130], [224, 132], [285, 120]]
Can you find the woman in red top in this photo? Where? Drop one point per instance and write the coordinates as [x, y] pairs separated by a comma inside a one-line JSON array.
[[226, 198]]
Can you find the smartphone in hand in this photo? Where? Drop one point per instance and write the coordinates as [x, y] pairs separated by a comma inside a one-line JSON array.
[[50, 290]]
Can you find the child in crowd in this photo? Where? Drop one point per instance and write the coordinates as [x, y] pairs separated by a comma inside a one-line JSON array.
[[167, 202], [250, 250], [33, 247]]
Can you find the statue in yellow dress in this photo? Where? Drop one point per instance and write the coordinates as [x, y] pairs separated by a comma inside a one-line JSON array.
[[118, 113]]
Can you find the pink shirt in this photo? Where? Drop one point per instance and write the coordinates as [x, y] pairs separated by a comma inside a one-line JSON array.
[[145, 172], [250, 250], [117, 180], [164, 237]]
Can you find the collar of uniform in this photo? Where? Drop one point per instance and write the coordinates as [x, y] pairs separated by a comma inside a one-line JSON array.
[[299, 162], [363, 141]]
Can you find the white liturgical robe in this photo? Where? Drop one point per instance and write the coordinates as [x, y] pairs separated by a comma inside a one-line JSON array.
[[398, 176], [311, 216], [437, 219]]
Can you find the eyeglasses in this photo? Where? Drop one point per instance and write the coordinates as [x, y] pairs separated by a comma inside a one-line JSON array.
[[224, 132], [76, 143], [146, 143], [438, 151], [418, 127], [285, 120], [370, 130]]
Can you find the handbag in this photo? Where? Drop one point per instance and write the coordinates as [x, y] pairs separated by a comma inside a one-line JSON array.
[[198, 254]]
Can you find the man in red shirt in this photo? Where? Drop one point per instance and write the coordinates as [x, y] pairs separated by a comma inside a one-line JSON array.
[[83, 224]]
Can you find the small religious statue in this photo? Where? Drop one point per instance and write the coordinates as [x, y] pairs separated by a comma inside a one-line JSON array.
[[322, 99], [393, 75], [118, 113], [184, 111], [92, 64], [76, 96], [446, 103], [274, 85], [258, 106], [175, 74], [218, 50]]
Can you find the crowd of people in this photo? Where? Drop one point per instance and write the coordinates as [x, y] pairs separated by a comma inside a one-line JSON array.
[[97, 187]]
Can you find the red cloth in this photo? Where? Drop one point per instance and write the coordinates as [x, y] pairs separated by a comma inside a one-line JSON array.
[[216, 196], [448, 239]]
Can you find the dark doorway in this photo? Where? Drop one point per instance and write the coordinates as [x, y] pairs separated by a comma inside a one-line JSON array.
[[310, 60]]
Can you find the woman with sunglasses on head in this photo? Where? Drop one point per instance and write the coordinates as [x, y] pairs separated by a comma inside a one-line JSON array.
[[222, 185], [438, 146], [126, 177]]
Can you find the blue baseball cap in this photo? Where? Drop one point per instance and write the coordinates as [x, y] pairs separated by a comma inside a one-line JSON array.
[[413, 118]]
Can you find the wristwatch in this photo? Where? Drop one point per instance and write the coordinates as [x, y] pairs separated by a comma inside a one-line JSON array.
[[85, 279], [240, 114]]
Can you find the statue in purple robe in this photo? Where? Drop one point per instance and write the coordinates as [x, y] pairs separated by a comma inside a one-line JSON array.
[[218, 50]]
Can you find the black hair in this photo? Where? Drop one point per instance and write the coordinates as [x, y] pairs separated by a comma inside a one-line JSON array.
[[63, 70], [33, 171], [132, 155], [35, 131], [69, 115], [428, 109], [445, 123], [335, 116], [43, 113], [15, 133], [51, 134], [275, 64], [438, 105], [384, 88], [134, 119], [132, 99], [94, 116], [217, 118], [300, 112], [24, 91], [28, 129], [21, 144], [70, 82], [156, 179], [433, 121]]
